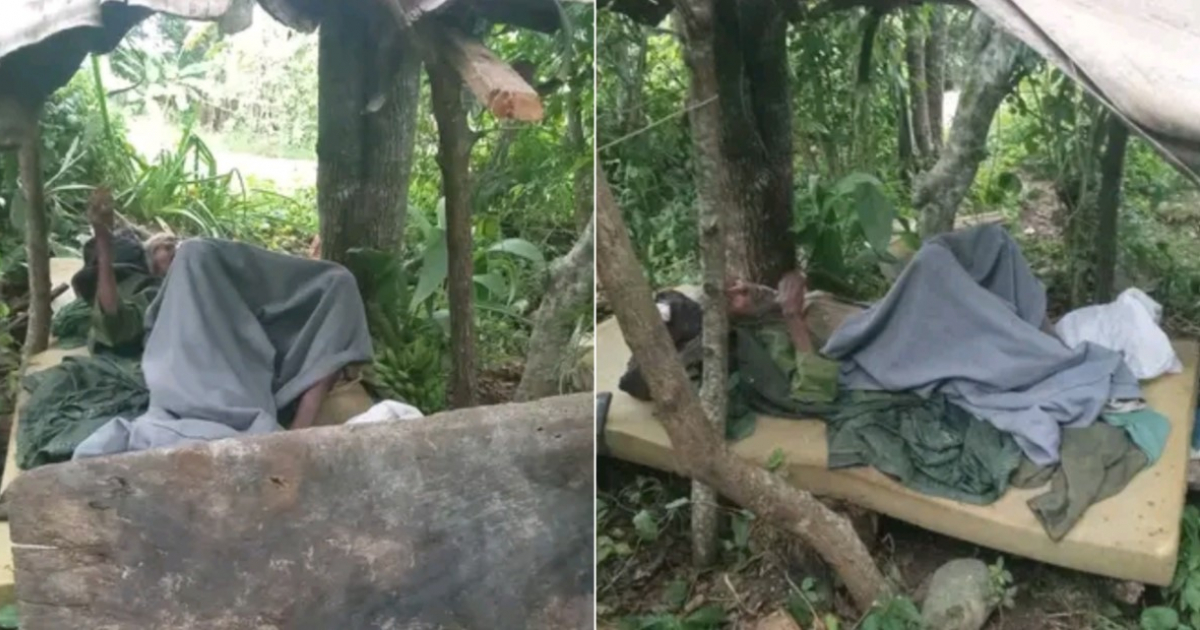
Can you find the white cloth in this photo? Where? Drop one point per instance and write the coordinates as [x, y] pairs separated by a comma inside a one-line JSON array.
[[1129, 325], [387, 410]]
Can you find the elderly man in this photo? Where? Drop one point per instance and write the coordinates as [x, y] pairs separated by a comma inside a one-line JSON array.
[[234, 339]]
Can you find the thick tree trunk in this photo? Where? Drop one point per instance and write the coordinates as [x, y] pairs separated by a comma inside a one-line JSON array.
[[454, 158], [918, 95], [571, 288], [37, 243], [995, 72], [756, 128], [713, 177], [1108, 203], [364, 148], [935, 73], [700, 450]]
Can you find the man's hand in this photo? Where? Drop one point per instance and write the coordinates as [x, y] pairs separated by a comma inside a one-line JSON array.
[[791, 293], [100, 210]]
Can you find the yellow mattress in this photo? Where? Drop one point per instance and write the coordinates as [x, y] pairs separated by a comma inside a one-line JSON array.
[[61, 270], [1132, 536]]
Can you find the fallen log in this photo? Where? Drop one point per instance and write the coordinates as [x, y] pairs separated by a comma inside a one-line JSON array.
[[477, 518]]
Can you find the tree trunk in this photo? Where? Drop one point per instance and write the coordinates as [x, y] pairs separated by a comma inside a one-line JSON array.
[[571, 288], [918, 95], [577, 145], [905, 141], [364, 149], [715, 196], [995, 72], [1108, 203], [37, 243], [700, 450], [756, 136], [935, 73], [454, 158]]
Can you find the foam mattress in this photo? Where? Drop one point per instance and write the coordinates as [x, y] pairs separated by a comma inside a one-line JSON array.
[[1132, 536]]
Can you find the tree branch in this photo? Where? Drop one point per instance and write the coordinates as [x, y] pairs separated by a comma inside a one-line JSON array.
[[699, 450]]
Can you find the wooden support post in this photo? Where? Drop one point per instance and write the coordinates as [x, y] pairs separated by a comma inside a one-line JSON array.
[[37, 242], [454, 158], [1108, 205]]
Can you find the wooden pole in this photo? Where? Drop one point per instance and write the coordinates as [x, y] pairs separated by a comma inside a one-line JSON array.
[[37, 242], [454, 156]]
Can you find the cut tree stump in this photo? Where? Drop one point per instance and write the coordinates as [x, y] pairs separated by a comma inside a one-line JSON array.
[[494, 83], [478, 518]]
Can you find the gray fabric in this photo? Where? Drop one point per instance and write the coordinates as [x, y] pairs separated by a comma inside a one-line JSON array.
[[964, 319], [1135, 57], [236, 334]]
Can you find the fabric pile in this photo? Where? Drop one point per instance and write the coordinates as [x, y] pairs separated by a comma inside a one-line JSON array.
[[953, 385], [69, 401]]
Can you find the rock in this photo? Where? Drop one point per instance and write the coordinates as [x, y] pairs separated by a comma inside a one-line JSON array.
[[958, 596], [1127, 592], [472, 519], [778, 621]]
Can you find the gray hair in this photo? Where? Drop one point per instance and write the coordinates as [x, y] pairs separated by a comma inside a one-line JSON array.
[[153, 244]]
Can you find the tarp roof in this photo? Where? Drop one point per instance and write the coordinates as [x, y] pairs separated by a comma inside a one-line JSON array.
[[1141, 59], [43, 42]]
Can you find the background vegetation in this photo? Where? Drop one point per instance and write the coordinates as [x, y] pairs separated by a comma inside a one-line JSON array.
[[852, 196], [205, 135]]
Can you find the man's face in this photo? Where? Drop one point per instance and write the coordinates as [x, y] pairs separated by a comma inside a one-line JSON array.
[[163, 255]]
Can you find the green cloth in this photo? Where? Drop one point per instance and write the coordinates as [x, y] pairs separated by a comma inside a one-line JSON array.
[[124, 331], [1146, 427], [927, 444], [1096, 462], [71, 324], [71, 400]]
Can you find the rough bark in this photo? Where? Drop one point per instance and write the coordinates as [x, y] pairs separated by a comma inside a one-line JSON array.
[[713, 177], [756, 136], [701, 451], [472, 519], [1108, 203], [571, 287], [454, 157], [37, 242], [365, 143], [918, 95], [995, 72], [578, 146], [935, 73]]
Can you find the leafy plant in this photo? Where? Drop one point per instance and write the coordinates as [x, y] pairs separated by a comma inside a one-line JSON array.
[[1001, 591], [897, 613]]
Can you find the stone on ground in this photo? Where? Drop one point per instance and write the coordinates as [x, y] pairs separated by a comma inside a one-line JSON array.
[[472, 519], [778, 621], [958, 597]]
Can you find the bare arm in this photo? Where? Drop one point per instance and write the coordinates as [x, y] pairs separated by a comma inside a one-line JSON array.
[[100, 214], [752, 300]]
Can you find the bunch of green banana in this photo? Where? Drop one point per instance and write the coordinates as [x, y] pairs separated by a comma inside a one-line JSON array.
[[409, 363]]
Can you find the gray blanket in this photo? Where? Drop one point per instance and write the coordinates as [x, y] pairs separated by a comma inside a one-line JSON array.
[[237, 333], [964, 319]]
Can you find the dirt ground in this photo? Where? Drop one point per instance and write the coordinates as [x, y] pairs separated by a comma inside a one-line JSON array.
[[758, 584]]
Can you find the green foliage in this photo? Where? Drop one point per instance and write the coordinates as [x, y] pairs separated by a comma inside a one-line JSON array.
[[845, 230], [1001, 592], [640, 514], [897, 613], [1182, 597]]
